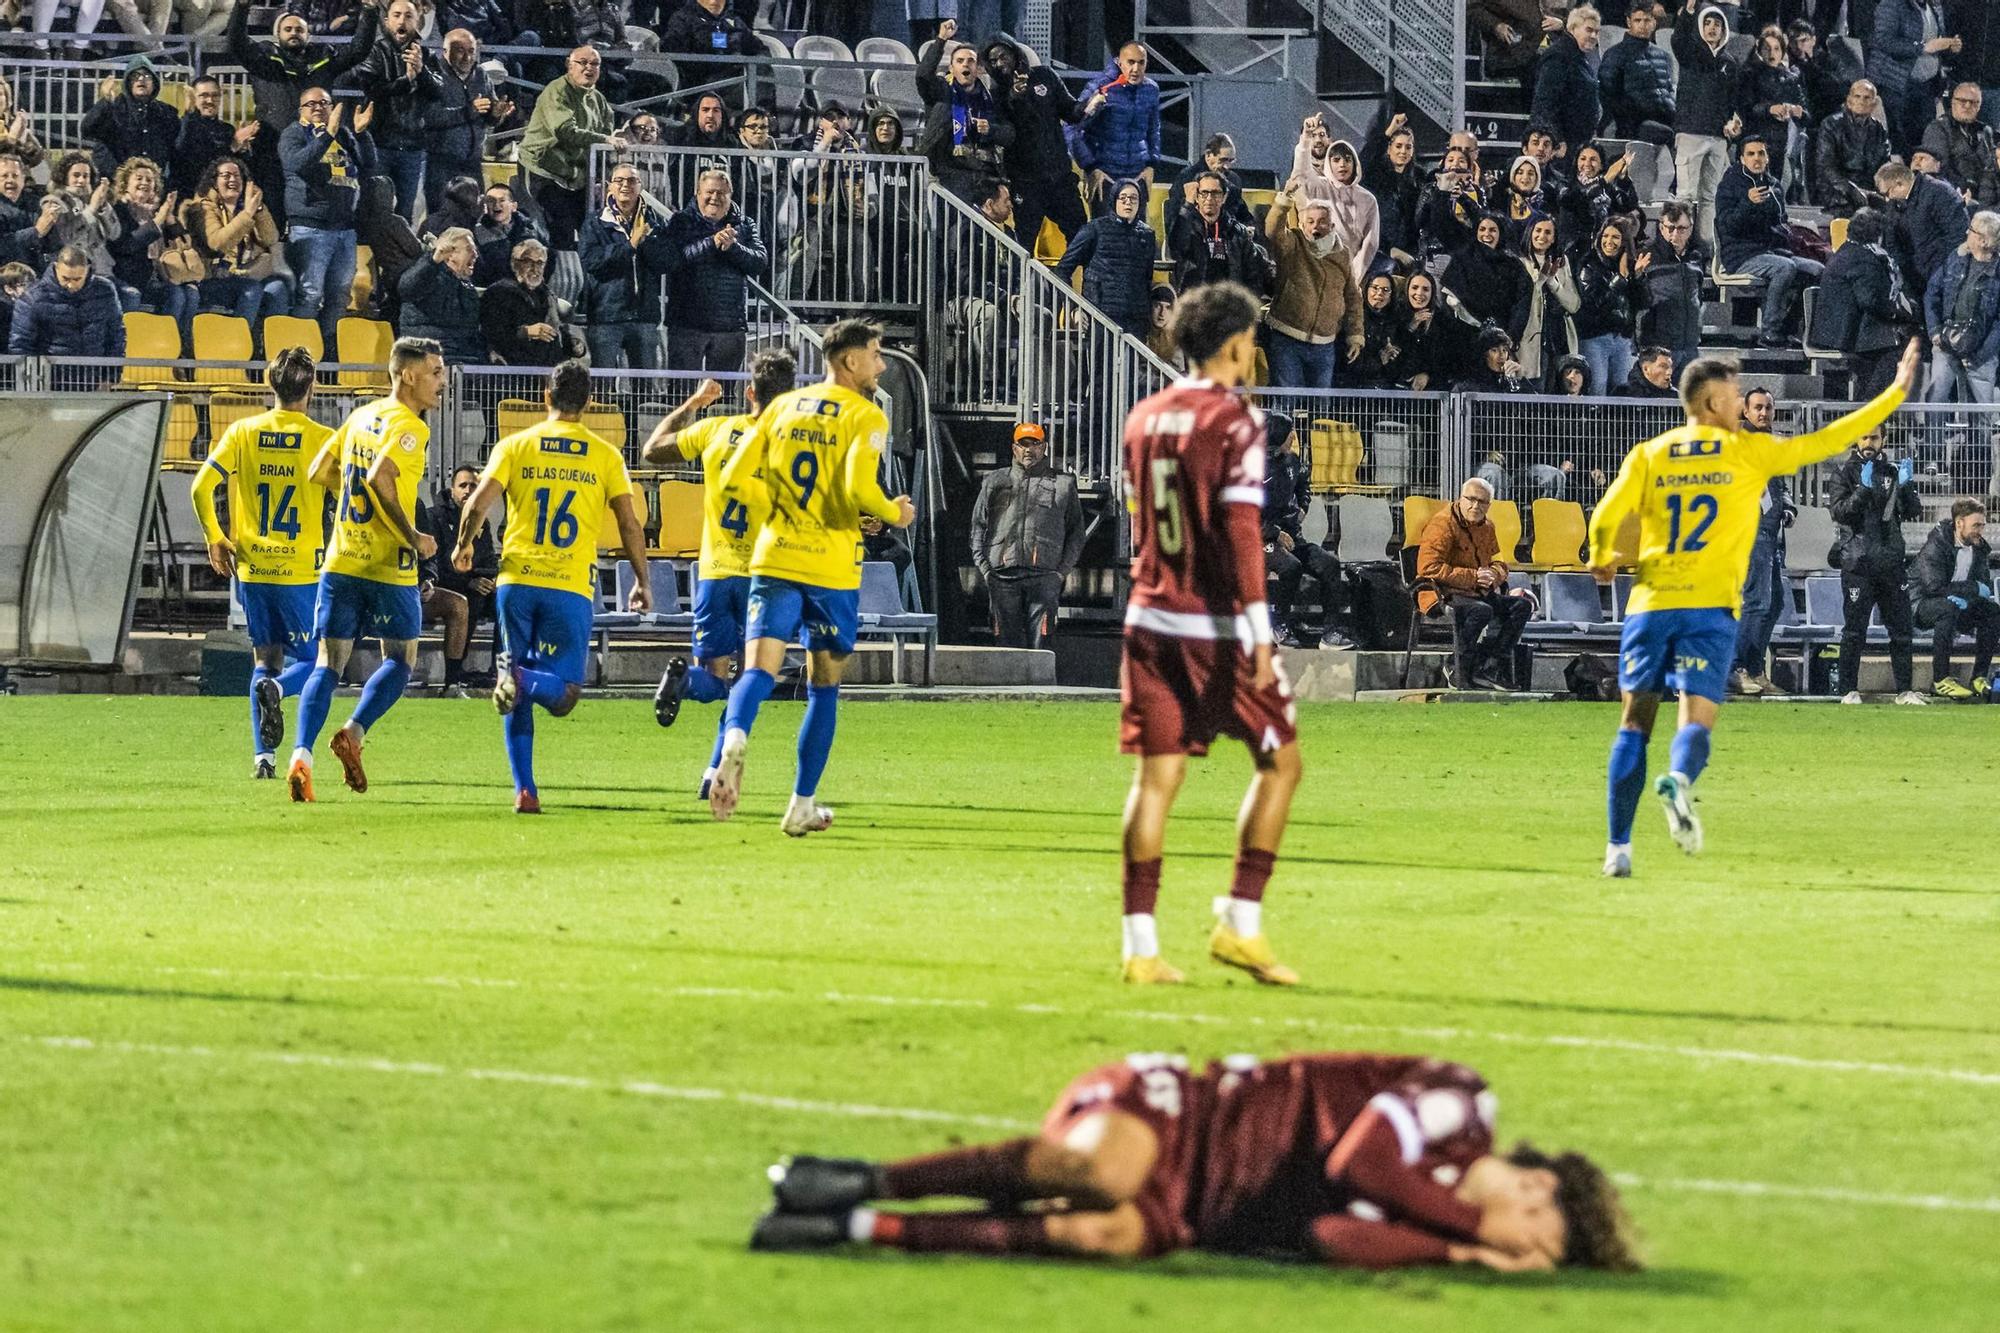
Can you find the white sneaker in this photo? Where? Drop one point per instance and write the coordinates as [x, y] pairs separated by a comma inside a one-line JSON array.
[[1912, 699], [728, 784], [1851, 697], [1617, 861], [802, 816], [1678, 801]]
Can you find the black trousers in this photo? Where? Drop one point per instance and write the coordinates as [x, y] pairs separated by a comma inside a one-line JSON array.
[[1874, 371], [1944, 621], [1054, 198], [562, 209], [1862, 591], [692, 349], [1290, 569], [1488, 623], [1024, 605]]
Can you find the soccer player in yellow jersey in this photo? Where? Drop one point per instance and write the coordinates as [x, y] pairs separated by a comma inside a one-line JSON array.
[[368, 588], [276, 514], [559, 479], [1696, 491], [806, 474], [722, 594]]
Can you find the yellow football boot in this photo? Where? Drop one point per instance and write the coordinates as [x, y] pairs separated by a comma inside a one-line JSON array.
[[1153, 971], [1252, 954]]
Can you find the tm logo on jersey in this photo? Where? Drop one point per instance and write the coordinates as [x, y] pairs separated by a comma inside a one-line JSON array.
[[1695, 449], [556, 444]]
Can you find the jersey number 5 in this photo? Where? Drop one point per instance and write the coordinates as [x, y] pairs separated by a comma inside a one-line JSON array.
[[1167, 523], [1702, 508]]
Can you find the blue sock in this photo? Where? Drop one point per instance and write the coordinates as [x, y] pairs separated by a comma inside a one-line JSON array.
[[1690, 752], [721, 726], [293, 678], [257, 673], [519, 727], [541, 687], [379, 695], [1628, 782], [315, 699], [753, 687], [816, 736], [703, 686]]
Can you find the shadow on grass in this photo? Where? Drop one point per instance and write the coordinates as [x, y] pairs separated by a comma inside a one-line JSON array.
[[1226, 853], [54, 986]]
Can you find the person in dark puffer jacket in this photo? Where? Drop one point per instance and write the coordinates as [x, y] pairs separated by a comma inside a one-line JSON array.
[[626, 252], [1117, 252], [439, 300], [68, 313], [136, 124], [1121, 138], [715, 251], [1862, 308], [402, 81], [1954, 590], [1848, 149], [1608, 317]]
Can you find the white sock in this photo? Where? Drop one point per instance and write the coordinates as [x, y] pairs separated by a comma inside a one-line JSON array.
[[708, 775], [360, 730], [861, 1225], [1617, 849], [1142, 935], [1244, 917], [301, 755], [262, 755]]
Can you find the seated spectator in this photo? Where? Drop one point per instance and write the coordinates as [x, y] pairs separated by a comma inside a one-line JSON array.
[[1673, 269], [1607, 316], [1159, 338], [1954, 593], [1964, 148], [1218, 158], [1770, 101], [1566, 92], [1599, 196], [714, 251], [393, 243], [1635, 81], [1288, 556], [1906, 46], [1117, 252], [1872, 499], [1389, 173], [1206, 247], [1040, 171], [521, 317], [1852, 147], [1422, 357], [145, 223], [644, 129], [1539, 142], [462, 204], [1543, 323], [963, 134], [1750, 219], [460, 599], [1652, 376], [626, 253], [440, 302], [1120, 139], [79, 204], [1863, 309], [204, 135], [1460, 554], [1314, 324], [134, 124], [325, 164], [1452, 205], [1827, 70], [1494, 369], [1962, 316], [501, 229], [70, 312], [1488, 282], [1930, 220], [1026, 535], [708, 28], [238, 239]]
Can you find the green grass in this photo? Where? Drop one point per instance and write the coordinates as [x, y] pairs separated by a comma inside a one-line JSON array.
[[1438, 892]]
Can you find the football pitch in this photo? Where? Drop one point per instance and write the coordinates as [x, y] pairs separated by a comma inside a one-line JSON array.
[[407, 1060]]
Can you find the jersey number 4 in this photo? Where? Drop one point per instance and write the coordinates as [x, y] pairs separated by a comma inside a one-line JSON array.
[[735, 518], [1168, 525], [1701, 508], [556, 529], [281, 517]]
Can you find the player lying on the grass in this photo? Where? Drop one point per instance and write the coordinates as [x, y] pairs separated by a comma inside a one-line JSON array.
[[559, 477], [805, 474], [1698, 492], [276, 515], [722, 597], [368, 589], [1372, 1161], [1199, 655]]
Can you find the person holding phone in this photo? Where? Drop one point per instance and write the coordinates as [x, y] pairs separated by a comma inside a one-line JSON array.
[[1755, 237]]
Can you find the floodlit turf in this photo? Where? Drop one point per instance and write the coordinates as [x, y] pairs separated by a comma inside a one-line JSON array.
[[407, 1060]]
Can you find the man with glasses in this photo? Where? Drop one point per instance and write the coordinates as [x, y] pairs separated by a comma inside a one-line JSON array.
[[1673, 269], [1460, 555], [1207, 247], [325, 165], [204, 135], [626, 251], [280, 71], [570, 118], [1218, 157], [714, 252], [502, 227]]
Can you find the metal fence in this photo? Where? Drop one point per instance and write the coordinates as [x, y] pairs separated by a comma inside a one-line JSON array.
[[1371, 441], [484, 403]]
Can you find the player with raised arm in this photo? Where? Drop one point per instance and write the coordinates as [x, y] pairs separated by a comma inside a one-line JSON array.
[[1199, 660], [1371, 1161], [276, 513], [805, 474], [374, 464], [722, 596], [559, 479], [1697, 492]]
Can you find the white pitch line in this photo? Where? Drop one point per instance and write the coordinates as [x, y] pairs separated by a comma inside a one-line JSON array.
[[864, 1111]]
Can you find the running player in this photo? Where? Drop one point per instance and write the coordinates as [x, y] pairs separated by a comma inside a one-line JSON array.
[[278, 515], [1372, 1161], [806, 474], [722, 597], [1198, 646], [559, 478], [1698, 492], [374, 463]]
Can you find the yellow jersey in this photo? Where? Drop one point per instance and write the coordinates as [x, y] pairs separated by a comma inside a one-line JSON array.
[[1698, 492], [277, 512], [559, 478], [365, 544], [807, 473], [726, 539]]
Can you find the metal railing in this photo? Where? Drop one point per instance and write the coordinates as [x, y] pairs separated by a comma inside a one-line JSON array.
[[482, 404], [1371, 440], [1418, 46]]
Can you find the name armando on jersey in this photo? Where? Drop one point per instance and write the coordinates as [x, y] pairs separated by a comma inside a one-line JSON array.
[[1670, 479]]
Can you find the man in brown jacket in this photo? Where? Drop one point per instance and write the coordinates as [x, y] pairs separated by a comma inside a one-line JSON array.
[[1315, 301], [1460, 554]]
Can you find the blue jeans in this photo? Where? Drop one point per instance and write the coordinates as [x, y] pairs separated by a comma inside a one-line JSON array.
[[1607, 358], [405, 167], [1783, 275], [628, 343], [250, 299], [1301, 365], [323, 258], [1753, 631]]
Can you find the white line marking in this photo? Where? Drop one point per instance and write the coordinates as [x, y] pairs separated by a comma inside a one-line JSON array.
[[857, 1110]]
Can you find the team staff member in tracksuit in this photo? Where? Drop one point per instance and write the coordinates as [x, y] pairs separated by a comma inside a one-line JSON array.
[[1288, 556], [1027, 535], [1872, 498], [1954, 592]]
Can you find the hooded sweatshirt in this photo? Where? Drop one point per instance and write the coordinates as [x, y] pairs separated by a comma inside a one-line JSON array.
[[1707, 95], [1039, 113], [1357, 220], [132, 125]]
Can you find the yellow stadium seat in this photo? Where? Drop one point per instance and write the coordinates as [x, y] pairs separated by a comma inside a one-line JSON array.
[[607, 422], [1837, 228], [1418, 511], [1559, 535], [151, 338], [1505, 516], [1337, 453], [282, 332], [221, 338], [1156, 209], [174, 93], [364, 342], [1259, 202], [181, 427], [1625, 547], [239, 102], [516, 414], [226, 409], [680, 519], [1049, 242], [497, 173]]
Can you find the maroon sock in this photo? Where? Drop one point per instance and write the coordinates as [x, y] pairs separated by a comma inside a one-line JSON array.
[[1253, 872], [996, 1172], [964, 1233], [1142, 886]]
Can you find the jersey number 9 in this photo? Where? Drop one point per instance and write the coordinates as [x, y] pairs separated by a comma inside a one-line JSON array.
[[805, 475]]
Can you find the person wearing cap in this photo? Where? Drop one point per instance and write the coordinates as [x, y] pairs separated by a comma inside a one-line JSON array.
[[1027, 535]]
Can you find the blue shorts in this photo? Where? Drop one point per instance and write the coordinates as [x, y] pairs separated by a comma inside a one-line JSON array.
[[829, 617], [281, 613], [546, 628], [1690, 649], [721, 606], [358, 608]]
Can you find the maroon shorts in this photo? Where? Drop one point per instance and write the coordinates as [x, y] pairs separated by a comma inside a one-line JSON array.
[[1180, 694], [1162, 1200]]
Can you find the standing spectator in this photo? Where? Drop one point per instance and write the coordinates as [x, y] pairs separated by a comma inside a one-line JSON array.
[[754, 177], [1207, 247], [1635, 81], [626, 254], [715, 251], [1770, 103], [1543, 324], [1421, 355], [24, 220], [400, 78], [144, 223], [79, 205], [393, 244], [15, 279], [1117, 252], [1862, 307], [1607, 315], [204, 135], [1963, 146], [1381, 322], [467, 108], [1764, 577], [1356, 218], [489, 22], [325, 165], [501, 229], [1652, 376], [281, 70], [70, 312], [1872, 499], [1954, 590], [1451, 206], [1288, 556], [1039, 170], [440, 302], [1488, 282], [706, 126], [1315, 321], [1905, 60], [1599, 196], [1459, 555], [1930, 219], [1750, 215], [1513, 31], [1027, 535], [1852, 147], [1566, 92], [1121, 138], [1827, 69], [1962, 316], [237, 236], [522, 319], [134, 124], [1702, 112], [1389, 172], [1493, 369], [1526, 201], [963, 134], [708, 28], [1218, 155], [570, 118]]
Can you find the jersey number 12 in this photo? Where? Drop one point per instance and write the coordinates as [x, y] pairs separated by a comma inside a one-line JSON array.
[[1702, 508]]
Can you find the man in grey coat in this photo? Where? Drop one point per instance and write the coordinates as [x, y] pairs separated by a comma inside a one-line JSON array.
[[1027, 534]]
